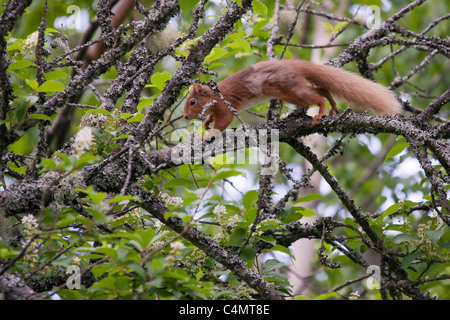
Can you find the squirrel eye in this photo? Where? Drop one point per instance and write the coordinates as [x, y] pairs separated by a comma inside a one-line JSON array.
[[192, 102]]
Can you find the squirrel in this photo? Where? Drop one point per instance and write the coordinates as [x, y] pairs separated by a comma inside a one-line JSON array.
[[297, 82]]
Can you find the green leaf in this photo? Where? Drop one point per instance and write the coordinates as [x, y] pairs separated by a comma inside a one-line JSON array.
[[249, 216], [327, 296], [157, 264], [306, 212], [51, 86], [237, 237], [226, 174], [184, 171], [221, 159], [327, 25], [55, 75], [434, 235], [21, 64], [122, 198], [248, 254], [14, 47], [402, 237], [240, 43], [393, 208], [122, 283], [309, 197], [407, 260], [125, 115], [272, 264], [64, 157], [279, 248], [369, 2], [85, 159], [101, 269], [216, 54], [267, 225], [66, 221], [187, 5], [396, 149], [138, 269], [259, 8], [32, 83], [40, 116], [50, 163], [143, 238], [250, 198], [340, 25], [234, 36], [145, 102], [294, 215], [100, 110], [445, 244], [51, 30], [137, 118], [267, 239], [159, 79], [177, 182]]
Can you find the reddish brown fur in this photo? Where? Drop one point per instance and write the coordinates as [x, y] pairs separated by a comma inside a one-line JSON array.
[[298, 82]]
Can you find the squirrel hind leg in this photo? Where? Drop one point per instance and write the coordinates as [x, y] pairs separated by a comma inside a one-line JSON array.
[[325, 93], [322, 111], [306, 97]]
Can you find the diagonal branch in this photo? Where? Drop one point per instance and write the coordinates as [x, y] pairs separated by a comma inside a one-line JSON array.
[[213, 249]]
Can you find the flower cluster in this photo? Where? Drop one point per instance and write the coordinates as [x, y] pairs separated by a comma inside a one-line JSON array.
[[250, 17], [31, 41], [176, 247], [30, 227], [83, 140], [427, 245], [172, 201], [94, 120], [132, 217], [354, 295], [76, 261], [233, 221], [219, 210], [429, 248]]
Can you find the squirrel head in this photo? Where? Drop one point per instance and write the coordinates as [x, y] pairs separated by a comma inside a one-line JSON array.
[[198, 96]]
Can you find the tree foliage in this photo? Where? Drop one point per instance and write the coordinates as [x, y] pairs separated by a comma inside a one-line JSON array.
[[93, 204]]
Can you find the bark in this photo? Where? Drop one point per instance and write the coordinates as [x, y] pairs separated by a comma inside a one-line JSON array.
[[13, 287]]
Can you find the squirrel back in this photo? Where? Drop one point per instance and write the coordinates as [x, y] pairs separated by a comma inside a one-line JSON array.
[[350, 87]]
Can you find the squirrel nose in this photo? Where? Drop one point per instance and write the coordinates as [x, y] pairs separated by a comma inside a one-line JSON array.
[[185, 116]]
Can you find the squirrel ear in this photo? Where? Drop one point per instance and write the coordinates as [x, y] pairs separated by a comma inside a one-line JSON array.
[[197, 87]]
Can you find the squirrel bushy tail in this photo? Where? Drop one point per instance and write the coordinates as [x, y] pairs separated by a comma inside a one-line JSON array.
[[354, 89]]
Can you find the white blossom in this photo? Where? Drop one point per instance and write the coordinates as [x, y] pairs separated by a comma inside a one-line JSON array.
[[354, 295], [159, 224], [30, 225], [173, 201], [83, 140], [29, 221], [220, 209], [177, 246], [233, 221], [31, 41]]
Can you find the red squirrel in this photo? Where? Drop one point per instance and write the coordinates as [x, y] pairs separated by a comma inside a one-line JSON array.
[[297, 82]]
